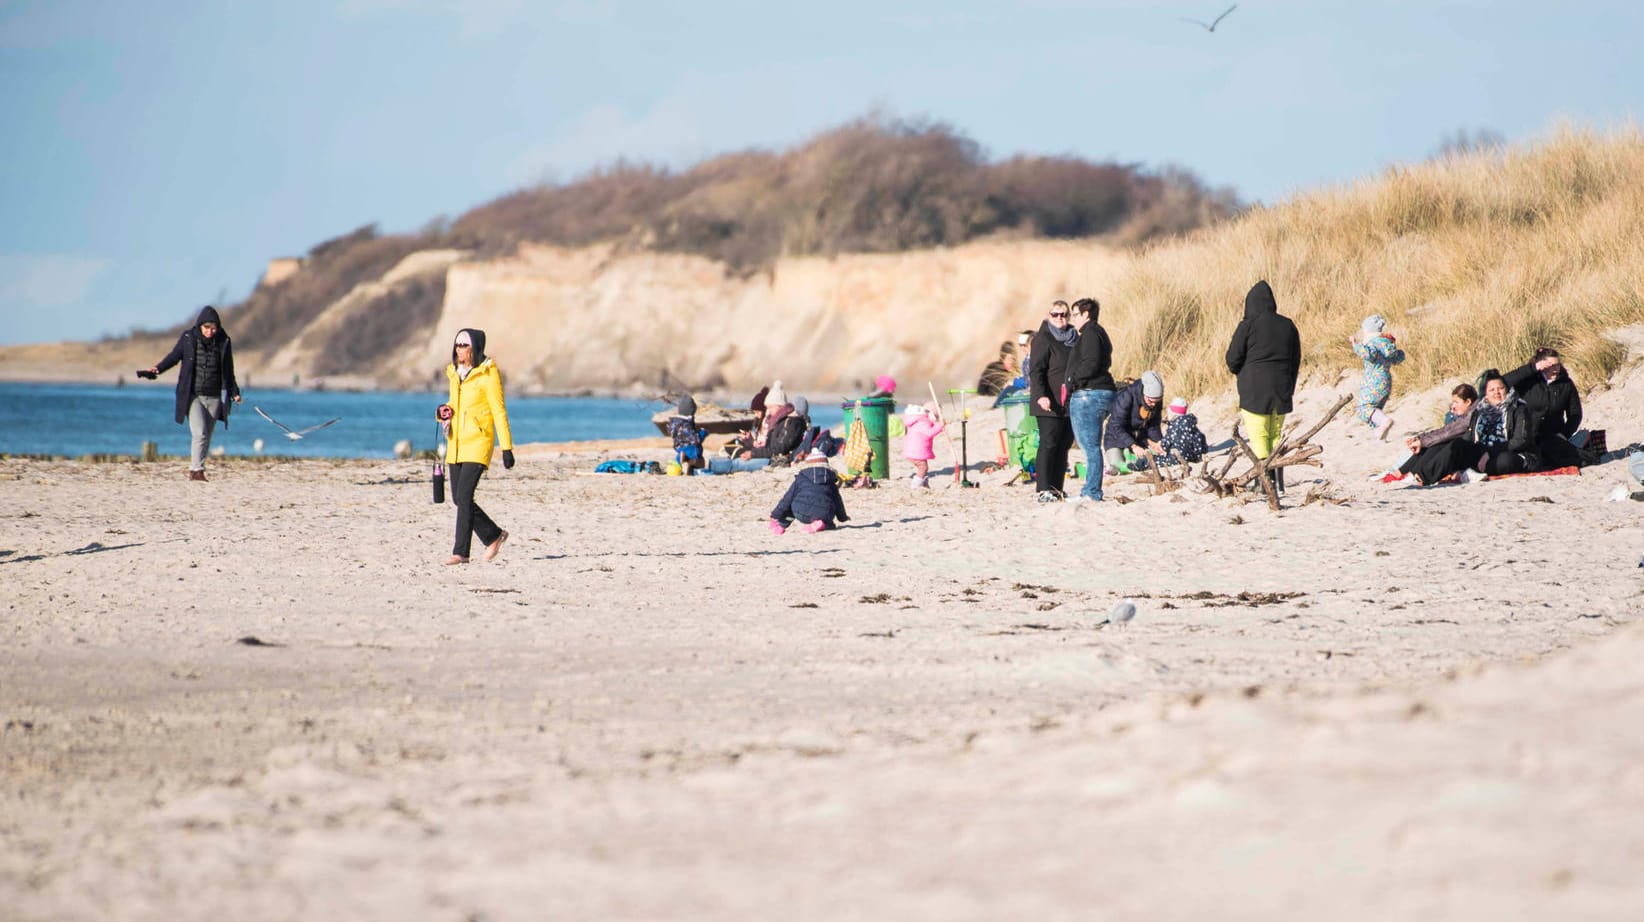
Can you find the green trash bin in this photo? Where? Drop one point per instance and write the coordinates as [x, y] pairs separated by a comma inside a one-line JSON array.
[[1021, 431], [876, 413]]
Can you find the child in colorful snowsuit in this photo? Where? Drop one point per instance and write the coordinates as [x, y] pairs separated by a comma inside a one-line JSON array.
[[922, 426], [1183, 441], [686, 436], [813, 498], [1380, 353]]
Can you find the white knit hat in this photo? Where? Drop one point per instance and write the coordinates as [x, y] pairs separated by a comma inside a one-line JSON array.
[[776, 397], [1374, 323], [1178, 406]]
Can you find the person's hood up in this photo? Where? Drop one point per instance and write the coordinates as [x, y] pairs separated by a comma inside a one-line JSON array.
[[1260, 301], [208, 314], [477, 337]]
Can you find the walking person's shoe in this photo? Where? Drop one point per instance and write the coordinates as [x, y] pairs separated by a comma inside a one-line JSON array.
[[196, 475], [494, 547]]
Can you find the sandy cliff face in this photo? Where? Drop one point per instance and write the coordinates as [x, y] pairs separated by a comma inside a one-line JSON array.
[[562, 318]]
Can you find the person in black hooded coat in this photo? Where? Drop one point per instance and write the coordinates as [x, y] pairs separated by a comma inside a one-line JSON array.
[[205, 383], [1047, 377], [1265, 354]]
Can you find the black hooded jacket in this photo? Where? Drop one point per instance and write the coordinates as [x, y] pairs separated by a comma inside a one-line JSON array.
[[1554, 406], [477, 337], [1090, 363], [1047, 372], [1265, 353], [183, 353]]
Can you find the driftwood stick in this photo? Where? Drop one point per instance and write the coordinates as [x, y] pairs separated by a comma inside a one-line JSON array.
[[1342, 402], [1259, 468], [1232, 455]]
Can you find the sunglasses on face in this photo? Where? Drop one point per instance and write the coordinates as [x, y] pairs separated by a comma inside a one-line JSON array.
[[1058, 313]]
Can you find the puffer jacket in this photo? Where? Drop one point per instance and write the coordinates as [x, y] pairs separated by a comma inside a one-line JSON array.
[[814, 494], [480, 419]]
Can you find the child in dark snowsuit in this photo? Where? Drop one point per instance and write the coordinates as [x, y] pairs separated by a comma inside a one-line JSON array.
[[813, 498], [687, 437], [1183, 441]]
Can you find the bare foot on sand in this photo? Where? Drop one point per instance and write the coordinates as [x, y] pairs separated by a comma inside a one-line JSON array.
[[495, 546]]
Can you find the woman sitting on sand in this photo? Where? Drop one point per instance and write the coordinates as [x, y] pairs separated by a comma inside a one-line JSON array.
[[1449, 449], [1503, 431]]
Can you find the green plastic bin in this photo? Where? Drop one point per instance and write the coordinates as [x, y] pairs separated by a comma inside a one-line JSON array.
[[1021, 432], [876, 414]]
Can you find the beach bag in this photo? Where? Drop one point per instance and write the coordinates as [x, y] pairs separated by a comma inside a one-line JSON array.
[[858, 453]]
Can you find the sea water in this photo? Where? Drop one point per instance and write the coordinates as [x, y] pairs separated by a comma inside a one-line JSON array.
[[78, 419]]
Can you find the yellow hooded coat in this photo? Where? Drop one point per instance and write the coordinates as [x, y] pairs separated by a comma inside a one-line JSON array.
[[479, 419]]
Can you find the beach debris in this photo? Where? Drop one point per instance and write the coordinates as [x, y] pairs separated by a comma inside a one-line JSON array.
[[402, 449], [1122, 613], [251, 640], [1289, 452], [295, 434]]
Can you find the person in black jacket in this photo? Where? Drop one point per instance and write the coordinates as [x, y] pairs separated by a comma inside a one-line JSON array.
[[1504, 432], [1265, 354], [1554, 406], [1090, 390], [1047, 381], [1137, 422], [813, 498], [205, 383]]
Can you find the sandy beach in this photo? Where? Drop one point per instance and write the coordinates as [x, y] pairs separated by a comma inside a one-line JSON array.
[[264, 698]]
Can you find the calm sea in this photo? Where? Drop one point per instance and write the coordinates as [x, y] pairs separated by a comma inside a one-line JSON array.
[[77, 419]]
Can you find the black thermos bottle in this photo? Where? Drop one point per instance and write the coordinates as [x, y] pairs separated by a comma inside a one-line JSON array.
[[439, 482]]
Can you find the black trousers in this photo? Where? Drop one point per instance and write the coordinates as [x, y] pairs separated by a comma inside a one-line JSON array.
[[1050, 466], [471, 519], [1556, 451], [1507, 462], [1446, 458]]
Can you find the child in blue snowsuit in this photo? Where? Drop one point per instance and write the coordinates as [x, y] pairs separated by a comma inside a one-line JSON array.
[[1380, 353], [686, 436]]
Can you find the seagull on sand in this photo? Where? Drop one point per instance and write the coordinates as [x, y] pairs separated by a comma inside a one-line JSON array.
[[294, 434], [1122, 613], [1211, 26]]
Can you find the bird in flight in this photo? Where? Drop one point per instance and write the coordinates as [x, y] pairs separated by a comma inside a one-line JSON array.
[[290, 433], [1211, 26]]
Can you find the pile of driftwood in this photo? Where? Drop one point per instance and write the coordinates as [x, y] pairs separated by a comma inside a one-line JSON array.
[[1288, 453]]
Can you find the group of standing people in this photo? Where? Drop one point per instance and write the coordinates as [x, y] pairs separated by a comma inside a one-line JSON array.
[[1074, 396]]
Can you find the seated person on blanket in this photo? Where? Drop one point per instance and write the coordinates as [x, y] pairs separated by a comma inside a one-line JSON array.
[[745, 438], [1449, 449], [813, 498], [1183, 442], [787, 426], [1554, 405], [1135, 423], [687, 437], [1502, 430]]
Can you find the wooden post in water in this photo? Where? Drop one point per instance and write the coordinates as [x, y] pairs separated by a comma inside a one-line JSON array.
[[151, 452]]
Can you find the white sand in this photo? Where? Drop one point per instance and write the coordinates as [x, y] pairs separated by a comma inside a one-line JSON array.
[[651, 708]]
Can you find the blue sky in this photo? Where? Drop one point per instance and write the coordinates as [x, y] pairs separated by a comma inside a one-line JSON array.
[[154, 155]]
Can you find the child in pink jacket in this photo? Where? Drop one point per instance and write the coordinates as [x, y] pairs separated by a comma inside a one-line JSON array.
[[923, 426]]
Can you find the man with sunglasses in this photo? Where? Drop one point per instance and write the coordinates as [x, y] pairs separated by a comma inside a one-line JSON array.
[[1047, 386]]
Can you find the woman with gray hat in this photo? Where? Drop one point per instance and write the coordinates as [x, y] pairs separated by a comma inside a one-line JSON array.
[[1136, 423]]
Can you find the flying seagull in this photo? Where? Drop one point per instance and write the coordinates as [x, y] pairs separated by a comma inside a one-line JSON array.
[[1211, 26], [291, 434], [1122, 613]]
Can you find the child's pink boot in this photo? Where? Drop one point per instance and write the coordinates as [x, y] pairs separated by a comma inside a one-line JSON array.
[[776, 527], [814, 527]]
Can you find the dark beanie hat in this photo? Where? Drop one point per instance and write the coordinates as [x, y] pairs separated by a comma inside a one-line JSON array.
[[687, 405]]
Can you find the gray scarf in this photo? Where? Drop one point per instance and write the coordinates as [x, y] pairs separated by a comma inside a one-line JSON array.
[[1067, 335]]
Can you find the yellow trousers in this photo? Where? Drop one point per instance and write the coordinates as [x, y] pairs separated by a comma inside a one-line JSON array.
[[1263, 429]]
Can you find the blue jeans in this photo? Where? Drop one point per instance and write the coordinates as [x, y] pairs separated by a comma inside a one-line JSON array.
[[1088, 410], [736, 465]]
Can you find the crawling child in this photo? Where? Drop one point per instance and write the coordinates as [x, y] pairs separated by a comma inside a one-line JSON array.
[[813, 498]]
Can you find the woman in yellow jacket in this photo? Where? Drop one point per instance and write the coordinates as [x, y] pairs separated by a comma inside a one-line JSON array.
[[478, 420]]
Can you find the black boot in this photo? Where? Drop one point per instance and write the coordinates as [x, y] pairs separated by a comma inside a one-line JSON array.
[[1278, 480]]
